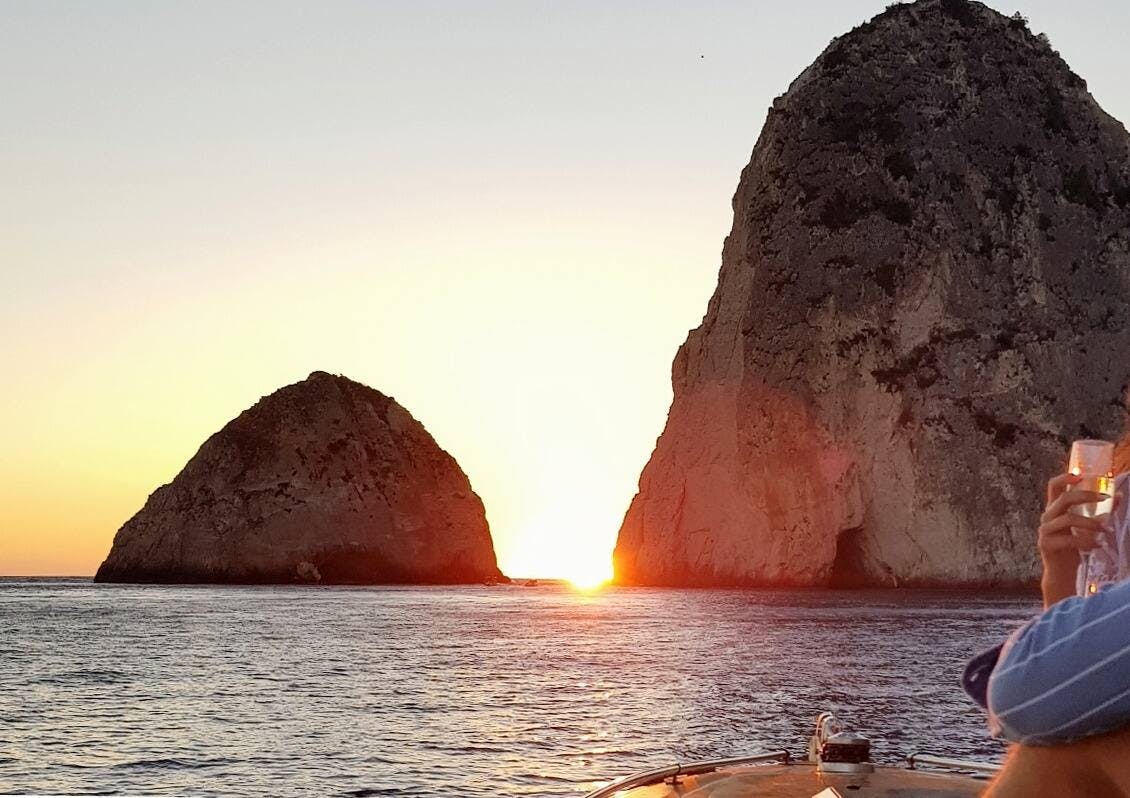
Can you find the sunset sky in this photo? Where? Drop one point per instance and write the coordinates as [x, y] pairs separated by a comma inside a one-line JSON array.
[[506, 215]]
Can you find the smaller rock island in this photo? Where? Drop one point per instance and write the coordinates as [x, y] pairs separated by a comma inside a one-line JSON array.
[[323, 481]]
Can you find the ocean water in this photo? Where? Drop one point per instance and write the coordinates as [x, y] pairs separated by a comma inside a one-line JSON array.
[[480, 691]]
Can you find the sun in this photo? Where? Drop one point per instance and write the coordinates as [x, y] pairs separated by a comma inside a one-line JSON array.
[[570, 544], [588, 578]]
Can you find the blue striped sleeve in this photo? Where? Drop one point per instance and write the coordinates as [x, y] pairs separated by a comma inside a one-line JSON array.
[[1066, 673]]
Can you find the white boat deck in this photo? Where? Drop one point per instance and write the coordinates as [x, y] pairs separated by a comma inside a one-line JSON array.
[[802, 780]]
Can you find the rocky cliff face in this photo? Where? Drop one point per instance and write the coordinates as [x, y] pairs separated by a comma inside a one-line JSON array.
[[922, 300], [325, 480]]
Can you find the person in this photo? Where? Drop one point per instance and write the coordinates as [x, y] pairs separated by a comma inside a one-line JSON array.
[[1059, 686]]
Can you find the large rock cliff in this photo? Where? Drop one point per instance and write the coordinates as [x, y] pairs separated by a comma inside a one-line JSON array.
[[922, 300], [325, 480]]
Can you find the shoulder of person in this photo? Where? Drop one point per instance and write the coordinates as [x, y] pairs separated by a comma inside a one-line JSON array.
[[1120, 522], [1122, 486]]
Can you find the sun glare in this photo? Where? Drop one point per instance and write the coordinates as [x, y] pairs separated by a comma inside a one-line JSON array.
[[588, 580], [573, 544]]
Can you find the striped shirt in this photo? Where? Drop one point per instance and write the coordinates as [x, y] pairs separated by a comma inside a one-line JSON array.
[[1065, 674]]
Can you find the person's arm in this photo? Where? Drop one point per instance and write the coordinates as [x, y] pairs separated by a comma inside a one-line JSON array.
[[1066, 674], [1050, 682]]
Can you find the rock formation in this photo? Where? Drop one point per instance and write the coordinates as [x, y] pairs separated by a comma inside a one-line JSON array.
[[922, 300], [325, 480]]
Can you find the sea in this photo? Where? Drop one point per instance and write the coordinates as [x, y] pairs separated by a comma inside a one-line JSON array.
[[465, 691]]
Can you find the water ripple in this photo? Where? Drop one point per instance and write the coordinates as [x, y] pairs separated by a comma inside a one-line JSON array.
[[461, 691]]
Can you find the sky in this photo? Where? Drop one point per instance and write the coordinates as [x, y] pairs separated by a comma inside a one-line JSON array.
[[507, 215]]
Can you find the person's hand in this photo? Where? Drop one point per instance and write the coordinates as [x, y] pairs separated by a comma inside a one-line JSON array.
[[1063, 534]]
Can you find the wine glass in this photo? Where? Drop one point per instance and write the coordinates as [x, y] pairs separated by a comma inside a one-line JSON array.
[[1094, 462]]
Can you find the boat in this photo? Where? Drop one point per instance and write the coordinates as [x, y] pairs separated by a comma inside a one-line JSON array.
[[838, 766]]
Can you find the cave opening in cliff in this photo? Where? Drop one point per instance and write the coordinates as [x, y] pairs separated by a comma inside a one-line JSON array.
[[849, 566]]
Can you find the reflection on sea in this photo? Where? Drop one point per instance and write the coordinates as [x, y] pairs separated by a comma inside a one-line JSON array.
[[462, 691]]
